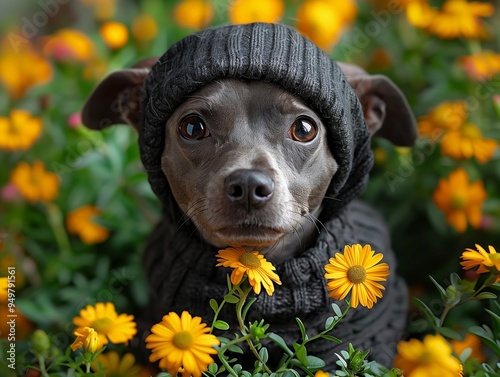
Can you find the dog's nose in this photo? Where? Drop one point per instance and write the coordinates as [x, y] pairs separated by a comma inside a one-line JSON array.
[[250, 188]]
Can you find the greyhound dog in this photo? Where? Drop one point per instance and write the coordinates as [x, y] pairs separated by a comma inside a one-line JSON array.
[[252, 136]]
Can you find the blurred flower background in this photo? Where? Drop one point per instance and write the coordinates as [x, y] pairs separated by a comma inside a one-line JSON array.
[[75, 206]]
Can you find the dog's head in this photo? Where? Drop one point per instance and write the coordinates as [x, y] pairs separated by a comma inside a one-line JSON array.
[[251, 131]]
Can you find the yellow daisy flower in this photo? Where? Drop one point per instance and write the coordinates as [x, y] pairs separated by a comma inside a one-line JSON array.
[[357, 269], [20, 131], [86, 338], [460, 18], [247, 11], [34, 182], [182, 344], [486, 262], [112, 365], [431, 357], [467, 142], [460, 201], [254, 265], [193, 14], [79, 222], [110, 326]]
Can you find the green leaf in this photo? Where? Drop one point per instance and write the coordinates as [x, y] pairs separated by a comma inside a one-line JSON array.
[[487, 337], [221, 325], [302, 329], [331, 338], [301, 353], [494, 315], [315, 363], [263, 354], [236, 349], [336, 310], [280, 342], [442, 291], [232, 299], [329, 322], [247, 306], [213, 304], [291, 373], [486, 296], [427, 312], [213, 368], [449, 333]]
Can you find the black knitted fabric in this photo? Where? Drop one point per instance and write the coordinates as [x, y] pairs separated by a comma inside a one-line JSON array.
[[181, 266], [268, 52]]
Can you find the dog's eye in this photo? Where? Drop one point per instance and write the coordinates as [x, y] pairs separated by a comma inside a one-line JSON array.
[[303, 130], [192, 127]]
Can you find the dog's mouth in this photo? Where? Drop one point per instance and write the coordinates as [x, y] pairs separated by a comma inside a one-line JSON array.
[[250, 235]]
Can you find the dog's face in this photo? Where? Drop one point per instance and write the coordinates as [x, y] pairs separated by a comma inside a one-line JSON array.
[[246, 161], [249, 164]]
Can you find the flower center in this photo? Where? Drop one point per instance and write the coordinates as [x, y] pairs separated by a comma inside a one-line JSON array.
[[356, 274], [249, 260], [458, 201], [470, 131], [102, 325], [426, 357], [183, 340]]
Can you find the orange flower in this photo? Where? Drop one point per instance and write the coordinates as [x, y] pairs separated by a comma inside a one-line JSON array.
[[485, 261], [20, 70], [20, 131], [34, 182], [193, 14], [114, 34], [481, 66], [468, 142], [323, 21], [470, 341], [460, 201], [446, 116], [247, 11], [252, 264], [144, 27], [419, 13], [69, 45], [460, 18], [79, 222]]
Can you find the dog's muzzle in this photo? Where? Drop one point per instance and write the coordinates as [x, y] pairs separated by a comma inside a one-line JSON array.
[[249, 188]]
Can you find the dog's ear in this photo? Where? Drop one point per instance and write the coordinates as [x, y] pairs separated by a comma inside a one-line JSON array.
[[117, 98], [386, 110]]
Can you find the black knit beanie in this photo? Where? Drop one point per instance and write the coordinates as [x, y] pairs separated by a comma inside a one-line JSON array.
[[272, 53]]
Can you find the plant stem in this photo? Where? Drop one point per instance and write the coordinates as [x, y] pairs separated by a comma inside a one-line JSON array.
[[241, 321], [55, 219], [43, 369], [225, 348], [444, 314]]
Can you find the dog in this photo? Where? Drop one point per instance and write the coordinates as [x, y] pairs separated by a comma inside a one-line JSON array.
[[252, 136]]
